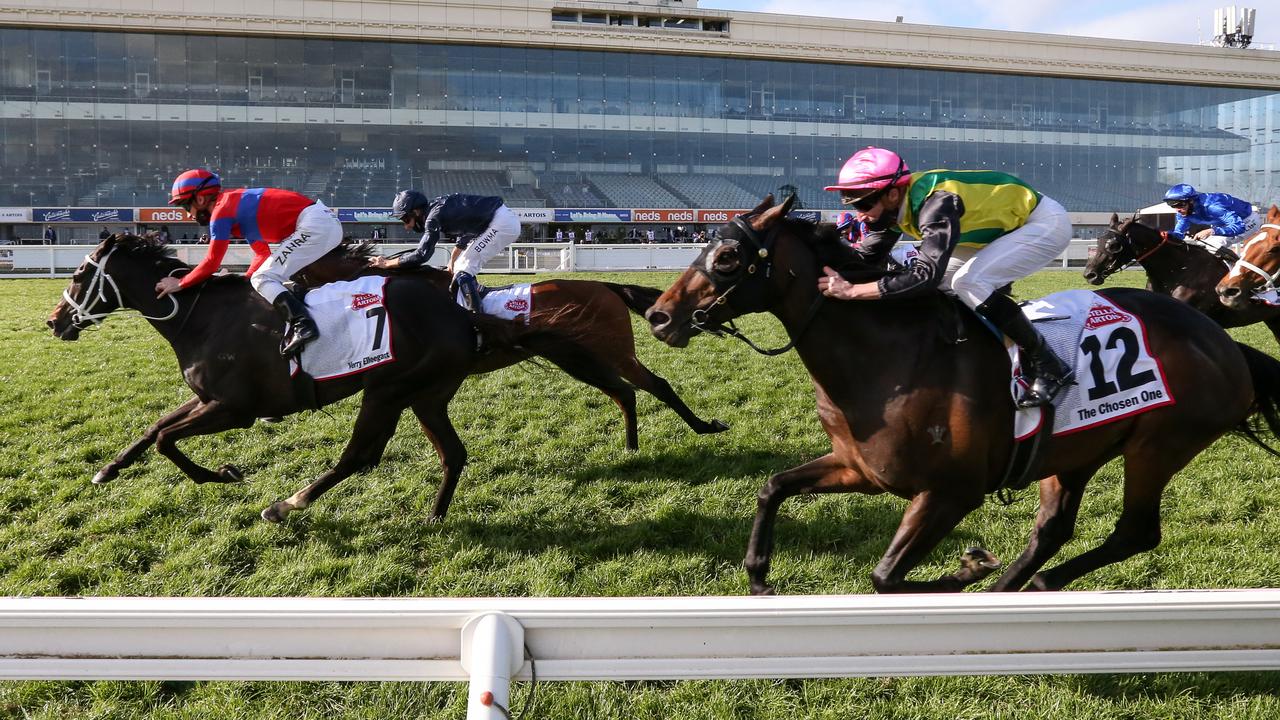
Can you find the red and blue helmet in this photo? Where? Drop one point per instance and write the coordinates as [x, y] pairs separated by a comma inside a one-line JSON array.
[[192, 183]]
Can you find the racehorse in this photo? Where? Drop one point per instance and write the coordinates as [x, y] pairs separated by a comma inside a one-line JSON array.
[[1183, 270], [590, 313], [226, 338], [911, 411], [1257, 269]]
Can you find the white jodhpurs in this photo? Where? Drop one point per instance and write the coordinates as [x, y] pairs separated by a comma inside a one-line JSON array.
[[974, 273], [318, 231], [1252, 225], [503, 230]]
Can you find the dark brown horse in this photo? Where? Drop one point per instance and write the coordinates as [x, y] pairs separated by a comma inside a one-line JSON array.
[[585, 331], [1186, 271], [227, 337], [1257, 270], [912, 412]]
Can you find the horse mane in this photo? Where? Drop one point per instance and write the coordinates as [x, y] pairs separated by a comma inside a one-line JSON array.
[[143, 247], [357, 250], [833, 251]]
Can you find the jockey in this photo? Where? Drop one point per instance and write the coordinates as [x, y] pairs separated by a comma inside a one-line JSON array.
[[300, 229], [979, 230], [1228, 218], [484, 227]]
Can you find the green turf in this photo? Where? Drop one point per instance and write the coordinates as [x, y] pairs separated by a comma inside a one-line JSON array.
[[551, 505]]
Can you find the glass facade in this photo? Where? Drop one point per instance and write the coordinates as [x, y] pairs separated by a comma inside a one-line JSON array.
[[108, 118]]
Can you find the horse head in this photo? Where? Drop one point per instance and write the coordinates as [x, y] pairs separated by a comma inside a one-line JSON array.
[[732, 276], [120, 273], [1258, 267], [1121, 244]]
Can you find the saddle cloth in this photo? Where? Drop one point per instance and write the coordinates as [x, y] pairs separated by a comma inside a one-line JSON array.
[[1115, 374], [508, 302], [355, 329]]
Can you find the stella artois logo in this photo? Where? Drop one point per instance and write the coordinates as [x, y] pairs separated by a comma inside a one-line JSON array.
[[1100, 315], [360, 301], [517, 305]]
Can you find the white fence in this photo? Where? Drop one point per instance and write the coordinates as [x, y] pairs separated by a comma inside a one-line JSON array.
[[19, 261], [635, 638]]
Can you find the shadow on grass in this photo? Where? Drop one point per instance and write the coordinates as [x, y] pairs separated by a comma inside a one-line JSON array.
[[1162, 687]]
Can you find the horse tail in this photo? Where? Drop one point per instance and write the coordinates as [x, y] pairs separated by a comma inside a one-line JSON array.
[[1265, 372], [637, 297]]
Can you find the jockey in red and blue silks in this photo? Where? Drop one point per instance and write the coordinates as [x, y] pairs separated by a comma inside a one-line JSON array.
[[1228, 218], [286, 231]]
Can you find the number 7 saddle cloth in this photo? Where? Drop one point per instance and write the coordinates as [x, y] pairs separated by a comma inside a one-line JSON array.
[[1116, 375], [355, 329]]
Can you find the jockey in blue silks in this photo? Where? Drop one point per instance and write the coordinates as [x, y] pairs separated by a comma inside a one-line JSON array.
[[1229, 219]]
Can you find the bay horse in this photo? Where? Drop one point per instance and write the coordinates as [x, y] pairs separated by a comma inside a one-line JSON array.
[[227, 338], [1257, 269], [1183, 270], [911, 411], [585, 324]]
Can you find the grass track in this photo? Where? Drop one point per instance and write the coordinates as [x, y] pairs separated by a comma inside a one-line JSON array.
[[551, 505]]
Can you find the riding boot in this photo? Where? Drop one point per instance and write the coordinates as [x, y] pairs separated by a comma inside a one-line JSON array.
[[302, 329], [469, 288], [1048, 372]]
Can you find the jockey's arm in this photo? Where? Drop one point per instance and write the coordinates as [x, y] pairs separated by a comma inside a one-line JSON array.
[[208, 266], [1181, 226], [939, 223], [1226, 221], [454, 255], [261, 253]]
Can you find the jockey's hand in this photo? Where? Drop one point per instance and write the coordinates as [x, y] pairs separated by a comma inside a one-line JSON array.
[[834, 286], [167, 286], [1204, 234], [382, 263]]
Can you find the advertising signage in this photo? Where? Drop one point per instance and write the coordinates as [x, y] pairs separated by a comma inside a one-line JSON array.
[[366, 215], [164, 215], [15, 214], [596, 215], [81, 215], [719, 216]]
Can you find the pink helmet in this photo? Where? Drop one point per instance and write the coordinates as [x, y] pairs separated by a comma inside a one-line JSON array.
[[871, 169]]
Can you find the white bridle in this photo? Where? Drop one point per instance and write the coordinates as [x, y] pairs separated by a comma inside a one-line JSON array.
[[1271, 278], [96, 292]]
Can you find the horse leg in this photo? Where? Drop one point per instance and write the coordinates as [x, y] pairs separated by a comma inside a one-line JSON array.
[[928, 519], [823, 475], [642, 377], [1060, 497], [375, 425], [1273, 325], [1136, 531], [129, 455], [584, 366], [204, 419], [433, 414]]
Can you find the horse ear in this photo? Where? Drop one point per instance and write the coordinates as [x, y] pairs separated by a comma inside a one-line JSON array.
[[1273, 215], [765, 204], [773, 214], [1115, 219]]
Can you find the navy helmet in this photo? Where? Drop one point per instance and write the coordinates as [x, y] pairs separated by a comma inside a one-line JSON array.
[[407, 201], [1181, 192]]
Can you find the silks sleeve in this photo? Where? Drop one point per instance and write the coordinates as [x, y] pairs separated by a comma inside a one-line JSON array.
[[208, 266]]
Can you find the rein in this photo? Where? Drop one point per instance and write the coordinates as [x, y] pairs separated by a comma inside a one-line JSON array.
[[700, 319], [1271, 278], [82, 310]]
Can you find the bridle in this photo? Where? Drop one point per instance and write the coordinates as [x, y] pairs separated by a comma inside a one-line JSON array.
[[761, 261], [1271, 278], [95, 293]]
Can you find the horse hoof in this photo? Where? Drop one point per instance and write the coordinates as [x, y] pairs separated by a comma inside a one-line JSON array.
[[715, 426], [763, 591], [272, 419], [977, 560], [273, 514], [1037, 584], [103, 477], [231, 474]]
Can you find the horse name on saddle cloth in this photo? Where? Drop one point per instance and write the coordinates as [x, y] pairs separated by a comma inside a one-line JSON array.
[[1115, 373], [355, 331]]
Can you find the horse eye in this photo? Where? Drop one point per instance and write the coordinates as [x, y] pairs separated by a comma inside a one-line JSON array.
[[727, 260]]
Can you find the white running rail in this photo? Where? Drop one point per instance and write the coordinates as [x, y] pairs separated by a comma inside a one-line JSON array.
[[635, 638]]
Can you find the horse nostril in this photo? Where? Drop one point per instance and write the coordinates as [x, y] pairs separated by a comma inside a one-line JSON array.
[[657, 318], [1090, 275], [1230, 292]]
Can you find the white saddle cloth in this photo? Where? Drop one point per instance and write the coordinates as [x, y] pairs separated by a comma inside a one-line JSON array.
[[355, 329], [1115, 373], [509, 303]]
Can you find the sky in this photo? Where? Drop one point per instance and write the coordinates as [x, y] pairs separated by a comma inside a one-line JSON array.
[[1177, 21]]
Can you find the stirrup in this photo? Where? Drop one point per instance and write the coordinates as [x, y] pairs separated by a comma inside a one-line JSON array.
[[1042, 391], [296, 339]]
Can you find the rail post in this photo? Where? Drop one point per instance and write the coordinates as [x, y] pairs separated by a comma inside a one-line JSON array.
[[492, 651]]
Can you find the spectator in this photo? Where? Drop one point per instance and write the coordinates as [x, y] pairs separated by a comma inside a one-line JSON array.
[[559, 235], [573, 236], [104, 234], [50, 235], [649, 235], [586, 237], [163, 235]]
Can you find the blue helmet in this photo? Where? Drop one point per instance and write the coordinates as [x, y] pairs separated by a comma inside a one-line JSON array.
[[1181, 191]]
